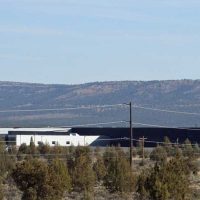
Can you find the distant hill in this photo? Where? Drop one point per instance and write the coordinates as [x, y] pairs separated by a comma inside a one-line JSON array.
[[180, 95]]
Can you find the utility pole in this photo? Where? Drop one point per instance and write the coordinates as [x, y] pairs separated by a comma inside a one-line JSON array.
[[143, 138], [131, 135]]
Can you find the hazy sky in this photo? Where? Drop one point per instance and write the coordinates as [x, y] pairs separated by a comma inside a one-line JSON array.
[[77, 41]]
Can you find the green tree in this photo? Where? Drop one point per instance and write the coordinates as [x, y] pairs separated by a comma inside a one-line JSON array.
[[31, 177], [158, 154], [166, 180], [7, 161], [99, 168], [83, 173], [142, 184], [119, 177], [44, 148], [38, 180], [168, 146], [61, 170], [196, 149], [32, 147], [23, 149], [187, 148], [57, 149]]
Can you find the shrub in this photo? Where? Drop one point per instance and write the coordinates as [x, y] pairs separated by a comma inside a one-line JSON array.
[[119, 177], [166, 180], [84, 177], [99, 168], [158, 154], [40, 181]]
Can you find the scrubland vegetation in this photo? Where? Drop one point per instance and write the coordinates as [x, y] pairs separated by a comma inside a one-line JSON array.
[[168, 172]]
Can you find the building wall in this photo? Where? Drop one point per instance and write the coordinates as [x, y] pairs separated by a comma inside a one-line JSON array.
[[89, 136], [152, 134], [52, 140]]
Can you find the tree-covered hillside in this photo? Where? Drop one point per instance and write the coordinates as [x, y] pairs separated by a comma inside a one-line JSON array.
[[181, 95]]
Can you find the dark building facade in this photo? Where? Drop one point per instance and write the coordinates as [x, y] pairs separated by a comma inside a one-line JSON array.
[[152, 134]]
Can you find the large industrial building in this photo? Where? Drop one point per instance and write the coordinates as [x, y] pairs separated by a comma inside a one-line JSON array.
[[96, 136]]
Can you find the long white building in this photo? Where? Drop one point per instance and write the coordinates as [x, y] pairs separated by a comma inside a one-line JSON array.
[[51, 136]]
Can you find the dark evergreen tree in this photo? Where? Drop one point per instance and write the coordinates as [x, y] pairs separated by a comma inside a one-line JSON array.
[[119, 177], [40, 181], [166, 180], [83, 175]]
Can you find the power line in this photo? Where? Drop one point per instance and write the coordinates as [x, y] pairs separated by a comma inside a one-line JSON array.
[[168, 111], [166, 143], [126, 138], [62, 109], [110, 139], [98, 106], [160, 126], [63, 156], [93, 124], [151, 141]]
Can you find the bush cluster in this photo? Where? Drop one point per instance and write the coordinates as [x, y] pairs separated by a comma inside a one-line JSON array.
[[46, 172]]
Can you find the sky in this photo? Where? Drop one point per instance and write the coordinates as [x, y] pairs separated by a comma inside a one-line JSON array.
[[79, 41]]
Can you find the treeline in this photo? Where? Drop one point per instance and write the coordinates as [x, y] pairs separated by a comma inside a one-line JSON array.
[[46, 172]]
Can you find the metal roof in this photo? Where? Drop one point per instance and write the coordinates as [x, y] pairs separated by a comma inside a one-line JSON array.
[[4, 131]]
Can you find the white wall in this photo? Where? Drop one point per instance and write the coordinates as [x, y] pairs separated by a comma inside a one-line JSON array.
[[62, 140]]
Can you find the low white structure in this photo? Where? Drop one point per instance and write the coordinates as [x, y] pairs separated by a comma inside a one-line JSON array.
[[50, 136], [52, 140]]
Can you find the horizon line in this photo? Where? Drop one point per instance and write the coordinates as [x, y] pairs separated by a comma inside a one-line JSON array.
[[105, 81]]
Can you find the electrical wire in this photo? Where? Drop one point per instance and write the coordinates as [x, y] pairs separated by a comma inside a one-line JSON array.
[[165, 143], [168, 111], [160, 126], [62, 109], [126, 138], [93, 124], [98, 106]]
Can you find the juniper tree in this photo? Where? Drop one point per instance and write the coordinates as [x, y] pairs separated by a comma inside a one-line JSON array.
[[168, 146], [83, 176], [63, 179], [119, 177], [166, 180], [44, 148], [23, 149], [158, 154], [187, 148], [99, 167], [40, 181], [7, 161], [32, 147], [196, 149]]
